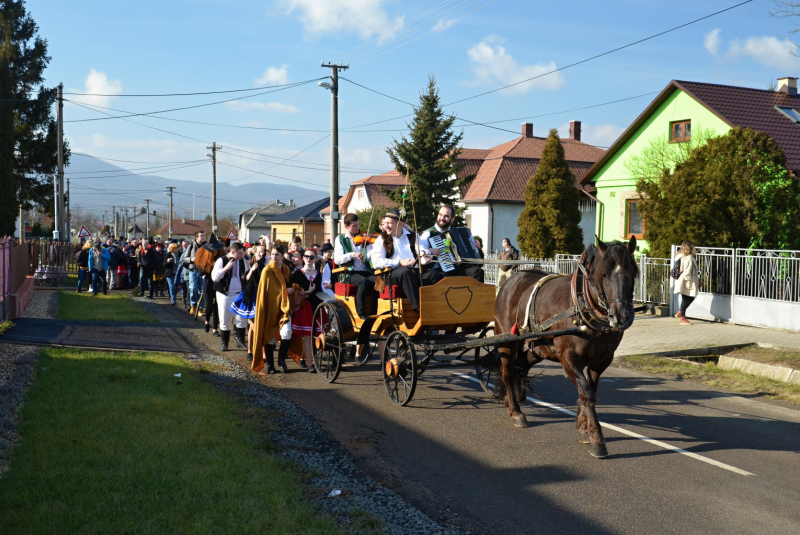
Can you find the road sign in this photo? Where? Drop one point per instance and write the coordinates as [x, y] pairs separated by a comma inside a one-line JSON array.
[[84, 233], [232, 235]]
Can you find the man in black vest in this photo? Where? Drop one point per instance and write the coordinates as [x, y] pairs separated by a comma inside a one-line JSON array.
[[354, 257], [443, 220], [228, 275]]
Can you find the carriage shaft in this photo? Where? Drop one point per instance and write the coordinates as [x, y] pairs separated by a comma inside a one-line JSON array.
[[504, 339]]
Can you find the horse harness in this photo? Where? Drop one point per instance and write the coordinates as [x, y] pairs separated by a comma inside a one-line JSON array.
[[587, 310]]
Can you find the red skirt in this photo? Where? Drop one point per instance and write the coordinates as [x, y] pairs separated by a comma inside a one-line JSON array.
[[302, 319]]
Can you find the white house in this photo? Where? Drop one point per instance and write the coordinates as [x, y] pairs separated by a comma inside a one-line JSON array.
[[257, 220]]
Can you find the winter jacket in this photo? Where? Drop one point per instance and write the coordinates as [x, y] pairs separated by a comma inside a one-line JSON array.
[[511, 254], [689, 281], [170, 267], [155, 261], [191, 252], [103, 255]]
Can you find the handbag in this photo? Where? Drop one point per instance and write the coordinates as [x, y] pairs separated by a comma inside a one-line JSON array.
[[675, 272]]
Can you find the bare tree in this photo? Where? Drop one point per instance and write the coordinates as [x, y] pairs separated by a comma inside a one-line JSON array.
[[790, 11], [660, 154]]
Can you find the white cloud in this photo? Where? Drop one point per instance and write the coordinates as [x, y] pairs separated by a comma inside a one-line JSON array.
[[712, 41], [238, 105], [274, 76], [364, 18], [493, 65], [766, 49], [97, 82], [442, 25]]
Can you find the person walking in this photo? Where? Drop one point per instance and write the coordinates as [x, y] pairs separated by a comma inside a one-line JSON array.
[[99, 263], [245, 304], [308, 278], [82, 259], [172, 270], [195, 279], [228, 275], [273, 313], [504, 271], [144, 272], [688, 283]]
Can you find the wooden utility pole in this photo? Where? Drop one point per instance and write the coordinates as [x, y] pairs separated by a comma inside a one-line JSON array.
[[148, 219], [334, 87], [170, 188], [69, 217], [58, 201], [214, 148]]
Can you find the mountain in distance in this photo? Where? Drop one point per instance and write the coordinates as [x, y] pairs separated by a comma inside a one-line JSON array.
[[95, 185]]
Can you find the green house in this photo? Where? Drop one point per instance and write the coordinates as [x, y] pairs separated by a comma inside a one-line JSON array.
[[683, 107]]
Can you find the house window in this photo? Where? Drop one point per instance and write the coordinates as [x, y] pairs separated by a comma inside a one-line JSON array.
[[361, 193], [634, 224], [680, 131]]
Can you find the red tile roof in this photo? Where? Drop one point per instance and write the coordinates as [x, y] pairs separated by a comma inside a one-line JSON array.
[[372, 185], [179, 228], [506, 169], [737, 106]]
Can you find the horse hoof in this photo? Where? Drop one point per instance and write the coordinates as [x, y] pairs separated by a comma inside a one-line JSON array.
[[583, 436], [598, 451], [520, 420]]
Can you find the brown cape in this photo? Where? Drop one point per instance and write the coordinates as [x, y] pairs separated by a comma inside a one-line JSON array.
[[272, 309]]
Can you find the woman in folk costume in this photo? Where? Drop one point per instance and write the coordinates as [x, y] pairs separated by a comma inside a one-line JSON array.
[[206, 257], [309, 279], [273, 310], [245, 304]]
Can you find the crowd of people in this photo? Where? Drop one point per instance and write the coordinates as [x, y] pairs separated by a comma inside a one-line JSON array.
[[265, 294]]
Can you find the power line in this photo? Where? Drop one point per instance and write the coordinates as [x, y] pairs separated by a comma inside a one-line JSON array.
[[126, 161], [131, 114], [286, 159], [187, 94], [134, 169], [601, 55], [128, 174], [273, 176]]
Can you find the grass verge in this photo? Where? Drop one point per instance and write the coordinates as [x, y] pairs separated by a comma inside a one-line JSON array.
[[778, 357], [714, 376], [111, 307], [114, 443]]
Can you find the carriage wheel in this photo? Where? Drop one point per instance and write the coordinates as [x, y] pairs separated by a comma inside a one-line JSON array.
[[487, 365], [399, 367], [328, 346]]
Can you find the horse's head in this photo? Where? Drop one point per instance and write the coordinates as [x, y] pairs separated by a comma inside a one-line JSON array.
[[612, 270]]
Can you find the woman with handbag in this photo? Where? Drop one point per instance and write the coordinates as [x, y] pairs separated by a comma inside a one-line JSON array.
[[687, 282]]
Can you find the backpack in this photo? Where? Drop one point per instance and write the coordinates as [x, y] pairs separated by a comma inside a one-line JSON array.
[[675, 272]]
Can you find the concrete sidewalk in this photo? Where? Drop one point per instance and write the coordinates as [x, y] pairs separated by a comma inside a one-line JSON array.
[[653, 334]]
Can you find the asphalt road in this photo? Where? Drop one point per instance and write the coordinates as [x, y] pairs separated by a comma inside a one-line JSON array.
[[454, 453]]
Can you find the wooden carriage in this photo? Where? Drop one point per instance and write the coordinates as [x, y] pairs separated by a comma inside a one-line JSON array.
[[451, 311]]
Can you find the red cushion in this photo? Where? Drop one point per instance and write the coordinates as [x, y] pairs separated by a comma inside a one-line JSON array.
[[345, 290], [397, 291]]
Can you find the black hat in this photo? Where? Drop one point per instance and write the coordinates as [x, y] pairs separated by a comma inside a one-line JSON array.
[[213, 244], [392, 214], [326, 247]]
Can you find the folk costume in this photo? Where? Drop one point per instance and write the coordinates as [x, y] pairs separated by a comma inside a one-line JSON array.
[[245, 304], [388, 251], [227, 287], [304, 316], [273, 310], [476, 272], [358, 273]]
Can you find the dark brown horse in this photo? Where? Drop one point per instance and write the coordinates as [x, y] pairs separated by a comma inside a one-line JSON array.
[[610, 271]]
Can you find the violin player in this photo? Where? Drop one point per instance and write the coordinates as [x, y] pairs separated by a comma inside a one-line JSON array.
[[350, 251]]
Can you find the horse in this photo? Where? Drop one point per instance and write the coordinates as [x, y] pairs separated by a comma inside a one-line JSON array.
[[605, 279]]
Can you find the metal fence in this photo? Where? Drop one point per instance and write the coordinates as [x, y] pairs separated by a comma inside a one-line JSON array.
[[768, 274], [6, 280], [653, 285], [50, 261], [545, 264]]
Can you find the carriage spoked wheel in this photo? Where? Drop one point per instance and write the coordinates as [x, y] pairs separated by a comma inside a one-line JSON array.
[[399, 367], [487, 365], [328, 345]]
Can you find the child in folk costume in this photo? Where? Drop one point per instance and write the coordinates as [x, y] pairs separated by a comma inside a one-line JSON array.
[[273, 310], [309, 279], [228, 276], [245, 304]]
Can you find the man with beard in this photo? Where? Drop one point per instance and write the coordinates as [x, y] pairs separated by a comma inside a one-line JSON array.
[[443, 220]]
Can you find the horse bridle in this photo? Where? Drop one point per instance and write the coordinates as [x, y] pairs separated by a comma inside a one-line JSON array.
[[602, 300]]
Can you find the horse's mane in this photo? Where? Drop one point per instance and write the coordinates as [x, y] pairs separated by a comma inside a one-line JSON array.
[[616, 254]]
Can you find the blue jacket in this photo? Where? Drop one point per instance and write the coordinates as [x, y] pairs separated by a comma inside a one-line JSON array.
[[105, 255]]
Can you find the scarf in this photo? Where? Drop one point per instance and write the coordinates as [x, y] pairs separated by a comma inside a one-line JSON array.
[[272, 309]]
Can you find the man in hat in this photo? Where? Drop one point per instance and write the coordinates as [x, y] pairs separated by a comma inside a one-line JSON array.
[[354, 257], [396, 248]]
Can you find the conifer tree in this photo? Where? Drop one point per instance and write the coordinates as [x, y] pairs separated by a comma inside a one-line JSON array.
[[428, 157], [28, 130], [550, 222]]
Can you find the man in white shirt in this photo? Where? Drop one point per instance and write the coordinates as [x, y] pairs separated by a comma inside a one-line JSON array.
[[346, 253], [228, 275], [400, 255], [443, 220]]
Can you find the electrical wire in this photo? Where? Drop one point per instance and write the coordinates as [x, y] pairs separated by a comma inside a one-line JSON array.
[[273, 176], [128, 174], [126, 161], [134, 169], [601, 55], [186, 94]]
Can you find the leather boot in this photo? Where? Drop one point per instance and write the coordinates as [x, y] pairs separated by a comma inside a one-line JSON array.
[[239, 335], [226, 337], [283, 352], [269, 357]]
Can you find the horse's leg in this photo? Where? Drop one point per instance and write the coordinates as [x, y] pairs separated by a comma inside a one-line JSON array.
[[587, 399], [508, 354], [594, 380]]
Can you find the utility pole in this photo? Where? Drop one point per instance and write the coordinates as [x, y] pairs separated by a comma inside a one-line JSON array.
[[170, 188], [69, 216], [59, 180], [21, 225], [193, 199], [334, 87], [148, 219], [114, 219], [214, 148], [125, 229]]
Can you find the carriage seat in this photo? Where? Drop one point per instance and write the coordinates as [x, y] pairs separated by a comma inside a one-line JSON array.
[[396, 292], [342, 289]]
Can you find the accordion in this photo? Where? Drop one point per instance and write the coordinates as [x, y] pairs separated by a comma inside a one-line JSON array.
[[455, 244]]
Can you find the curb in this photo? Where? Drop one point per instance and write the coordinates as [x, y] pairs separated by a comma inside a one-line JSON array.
[[693, 352], [770, 371]]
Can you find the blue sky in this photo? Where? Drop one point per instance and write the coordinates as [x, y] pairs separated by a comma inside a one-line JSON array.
[[470, 46]]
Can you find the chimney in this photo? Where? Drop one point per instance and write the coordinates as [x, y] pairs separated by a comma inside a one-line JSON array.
[[183, 220], [787, 85], [291, 203], [575, 130], [527, 129]]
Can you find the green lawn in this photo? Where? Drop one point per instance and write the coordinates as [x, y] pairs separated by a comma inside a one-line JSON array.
[[113, 443], [111, 307]]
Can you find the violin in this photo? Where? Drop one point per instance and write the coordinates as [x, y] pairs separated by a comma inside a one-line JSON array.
[[362, 239]]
